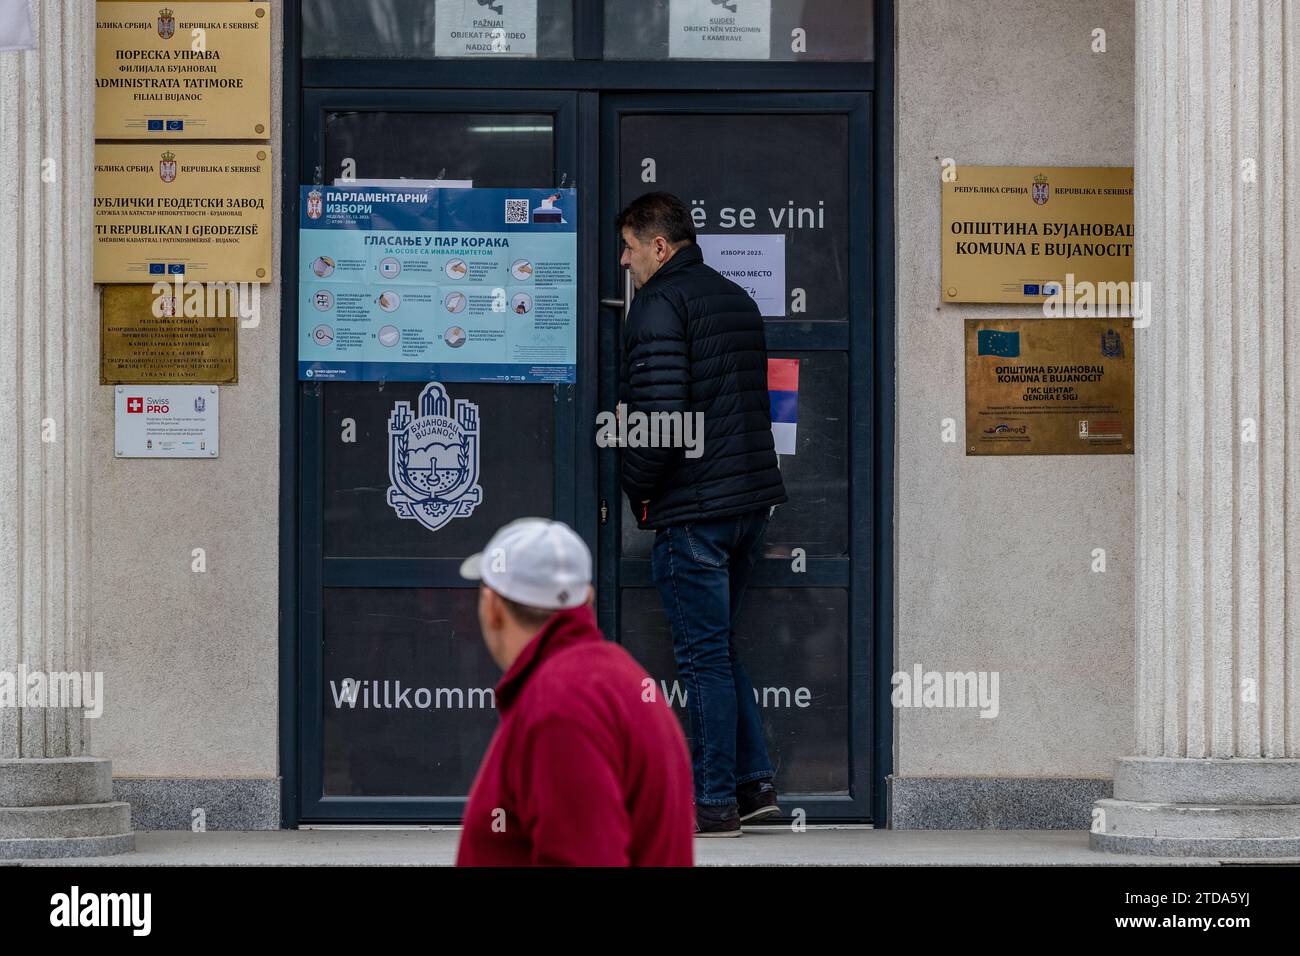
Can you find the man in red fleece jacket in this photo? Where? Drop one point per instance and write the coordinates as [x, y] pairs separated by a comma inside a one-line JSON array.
[[588, 766]]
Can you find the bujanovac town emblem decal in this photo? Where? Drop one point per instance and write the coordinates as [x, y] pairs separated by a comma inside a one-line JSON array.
[[166, 24], [433, 459]]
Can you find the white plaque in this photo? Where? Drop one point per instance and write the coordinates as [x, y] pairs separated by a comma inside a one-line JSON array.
[[165, 421], [720, 30], [485, 28]]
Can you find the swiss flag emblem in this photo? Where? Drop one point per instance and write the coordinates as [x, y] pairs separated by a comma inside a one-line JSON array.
[[135, 406]]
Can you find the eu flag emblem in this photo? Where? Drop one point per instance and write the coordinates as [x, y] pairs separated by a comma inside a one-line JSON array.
[[993, 342], [155, 126]]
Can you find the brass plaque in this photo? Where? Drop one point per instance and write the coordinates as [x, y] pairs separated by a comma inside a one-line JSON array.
[[169, 334], [199, 211], [1049, 387], [1011, 232], [182, 70]]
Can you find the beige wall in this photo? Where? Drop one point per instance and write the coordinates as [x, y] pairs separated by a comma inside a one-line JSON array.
[[190, 660], [993, 555]]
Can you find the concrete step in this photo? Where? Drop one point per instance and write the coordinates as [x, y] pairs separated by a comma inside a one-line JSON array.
[[1279, 849], [75, 820], [1200, 821], [55, 781], [1168, 829], [1217, 781], [56, 848]]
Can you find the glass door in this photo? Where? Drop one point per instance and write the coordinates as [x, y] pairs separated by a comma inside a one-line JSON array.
[[396, 688], [783, 180]]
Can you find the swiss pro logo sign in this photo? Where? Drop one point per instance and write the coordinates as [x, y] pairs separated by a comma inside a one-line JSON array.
[[433, 459], [136, 405]]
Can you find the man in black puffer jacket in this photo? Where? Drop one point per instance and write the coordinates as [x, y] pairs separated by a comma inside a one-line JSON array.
[[695, 368]]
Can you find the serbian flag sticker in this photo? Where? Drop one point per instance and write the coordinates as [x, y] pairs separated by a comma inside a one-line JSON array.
[[783, 391]]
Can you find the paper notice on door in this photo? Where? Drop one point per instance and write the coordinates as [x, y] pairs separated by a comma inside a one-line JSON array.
[[485, 28], [755, 263], [720, 30]]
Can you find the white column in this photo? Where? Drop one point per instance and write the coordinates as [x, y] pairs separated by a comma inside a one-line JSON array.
[[1218, 436], [54, 800]]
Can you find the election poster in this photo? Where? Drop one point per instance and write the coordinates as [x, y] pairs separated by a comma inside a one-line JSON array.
[[430, 284]]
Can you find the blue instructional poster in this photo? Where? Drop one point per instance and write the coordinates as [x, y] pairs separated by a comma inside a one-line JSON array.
[[431, 284]]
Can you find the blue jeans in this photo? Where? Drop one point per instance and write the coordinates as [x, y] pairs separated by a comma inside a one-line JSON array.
[[701, 570]]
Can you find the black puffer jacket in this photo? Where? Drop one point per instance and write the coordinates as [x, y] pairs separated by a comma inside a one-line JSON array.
[[694, 342]]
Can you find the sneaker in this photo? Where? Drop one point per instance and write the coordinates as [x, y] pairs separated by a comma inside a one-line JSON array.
[[757, 800], [717, 821]]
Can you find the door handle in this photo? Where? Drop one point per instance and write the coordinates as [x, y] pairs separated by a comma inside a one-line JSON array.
[[624, 304]]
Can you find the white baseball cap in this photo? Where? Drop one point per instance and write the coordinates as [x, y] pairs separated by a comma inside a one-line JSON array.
[[534, 561]]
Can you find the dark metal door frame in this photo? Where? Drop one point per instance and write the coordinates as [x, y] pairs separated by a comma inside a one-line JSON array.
[[318, 571], [310, 86], [853, 573]]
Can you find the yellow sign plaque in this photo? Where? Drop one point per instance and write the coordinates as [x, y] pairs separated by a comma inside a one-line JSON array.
[[167, 209], [1011, 233], [165, 334], [170, 71], [1049, 386]]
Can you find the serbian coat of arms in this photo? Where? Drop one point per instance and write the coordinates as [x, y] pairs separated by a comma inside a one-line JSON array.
[[1041, 191], [433, 459], [166, 24], [167, 167], [314, 204]]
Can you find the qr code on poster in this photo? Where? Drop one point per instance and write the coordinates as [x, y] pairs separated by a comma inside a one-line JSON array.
[[516, 211]]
